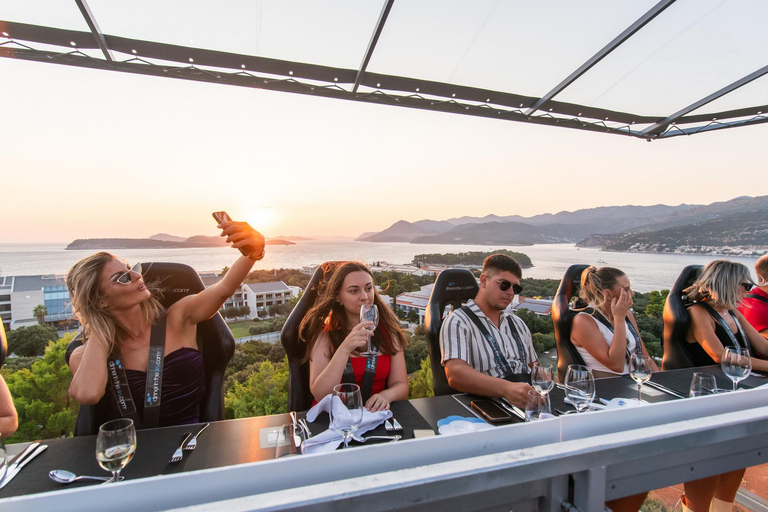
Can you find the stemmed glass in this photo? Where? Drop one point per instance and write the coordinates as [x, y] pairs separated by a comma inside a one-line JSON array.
[[346, 410], [115, 445], [541, 378], [640, 370], [580, 386], [736, 364], [369, 313]]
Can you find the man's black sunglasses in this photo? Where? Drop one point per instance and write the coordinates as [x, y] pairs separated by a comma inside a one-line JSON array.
[[505, 285]]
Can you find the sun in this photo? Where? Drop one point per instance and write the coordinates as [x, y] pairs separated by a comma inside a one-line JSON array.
[[261, 218]]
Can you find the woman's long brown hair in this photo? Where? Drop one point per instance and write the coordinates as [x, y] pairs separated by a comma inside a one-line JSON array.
[[328, 314]]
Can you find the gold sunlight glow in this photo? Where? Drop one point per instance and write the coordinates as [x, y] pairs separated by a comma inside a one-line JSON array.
[[261, 218]]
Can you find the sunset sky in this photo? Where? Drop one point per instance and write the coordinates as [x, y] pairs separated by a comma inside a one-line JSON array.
[[89, 153]]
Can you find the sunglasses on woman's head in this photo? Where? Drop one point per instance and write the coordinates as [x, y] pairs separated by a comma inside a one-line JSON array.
[[747, 286], [126, 277], [505, 285]]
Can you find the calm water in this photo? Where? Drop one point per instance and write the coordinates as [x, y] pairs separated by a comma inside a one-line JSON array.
[[646, 271]]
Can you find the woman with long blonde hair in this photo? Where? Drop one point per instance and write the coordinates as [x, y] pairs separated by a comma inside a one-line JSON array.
[[124, 325]]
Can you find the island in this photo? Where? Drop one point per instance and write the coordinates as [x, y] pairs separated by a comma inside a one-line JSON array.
[[196, 241]]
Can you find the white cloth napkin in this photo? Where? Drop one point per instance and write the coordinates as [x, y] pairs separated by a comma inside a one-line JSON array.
[[330, 439]]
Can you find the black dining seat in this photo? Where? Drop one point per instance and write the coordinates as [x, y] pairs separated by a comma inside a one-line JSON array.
[[562, 318], [3, 345], [214, 340], [454, 287], [677, 351], [299, 395]]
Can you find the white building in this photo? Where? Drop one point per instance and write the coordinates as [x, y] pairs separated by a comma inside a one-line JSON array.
[[415, 301], [260, 296], [19, 295]]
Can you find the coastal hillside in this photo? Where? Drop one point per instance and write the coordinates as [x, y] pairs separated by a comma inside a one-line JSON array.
[[501, 233], [403, 231], [745, 233], [95, 244]]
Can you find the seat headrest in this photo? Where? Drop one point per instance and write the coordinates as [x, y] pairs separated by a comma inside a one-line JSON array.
[[453, 286], [173, 280]]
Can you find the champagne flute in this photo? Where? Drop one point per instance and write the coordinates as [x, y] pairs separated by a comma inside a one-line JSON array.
[[542, 378], [370, 313], [115, 446], [640, 370], [580, 386], [702, 384], [346, 410], [736, 364]]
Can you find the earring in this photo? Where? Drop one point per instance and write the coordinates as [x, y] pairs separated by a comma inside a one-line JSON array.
[[104, 305]]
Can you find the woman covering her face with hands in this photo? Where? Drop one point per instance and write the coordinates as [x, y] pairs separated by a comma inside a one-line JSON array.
[[336, 337], [607, 334]]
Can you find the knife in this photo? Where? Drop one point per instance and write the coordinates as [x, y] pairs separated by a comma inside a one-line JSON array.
[[31, 447], [17, 467], [664, 389], [504, 403], [295, 423]]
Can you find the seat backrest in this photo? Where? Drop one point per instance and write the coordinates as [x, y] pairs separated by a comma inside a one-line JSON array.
[[299, 395], [454, 286], [677, 321], [3, 344], [562, 319], [214, 340]]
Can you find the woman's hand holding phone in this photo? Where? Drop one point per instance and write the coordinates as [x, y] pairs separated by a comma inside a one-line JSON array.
[[242, 236]]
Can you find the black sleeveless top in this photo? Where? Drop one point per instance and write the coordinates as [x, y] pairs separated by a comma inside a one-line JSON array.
[[700, 357]]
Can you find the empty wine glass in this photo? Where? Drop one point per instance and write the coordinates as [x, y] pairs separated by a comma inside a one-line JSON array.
[[736, 364], [115, 445], [289, 440], [702, 384], [640, 370], [346, 410], [370, 313], [580, 386], [542, 378]]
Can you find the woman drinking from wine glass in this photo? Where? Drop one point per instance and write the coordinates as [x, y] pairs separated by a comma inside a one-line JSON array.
[[606, 336], [716, 324], [336, 339], [123, 325]]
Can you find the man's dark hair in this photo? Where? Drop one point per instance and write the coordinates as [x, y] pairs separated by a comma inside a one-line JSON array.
[[502, 263]]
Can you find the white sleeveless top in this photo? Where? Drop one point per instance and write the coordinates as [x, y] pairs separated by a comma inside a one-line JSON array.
[[594, 364]]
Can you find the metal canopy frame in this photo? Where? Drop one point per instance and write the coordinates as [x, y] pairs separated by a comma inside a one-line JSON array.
[[98, 50]]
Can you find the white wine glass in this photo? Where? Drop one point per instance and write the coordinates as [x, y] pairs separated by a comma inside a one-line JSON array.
[[736, 364], [542, 378], [640, 369], [346, 410], [115, 446], [370, 313], [580, 386]]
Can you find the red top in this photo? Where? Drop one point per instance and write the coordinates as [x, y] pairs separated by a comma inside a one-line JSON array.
[[755, 310], [382, 372]]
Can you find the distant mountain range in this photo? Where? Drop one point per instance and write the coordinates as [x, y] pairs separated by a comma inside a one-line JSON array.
[[158, 241], [740, 222]]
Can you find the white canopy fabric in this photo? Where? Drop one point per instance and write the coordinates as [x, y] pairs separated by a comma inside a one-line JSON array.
[[647, 69]]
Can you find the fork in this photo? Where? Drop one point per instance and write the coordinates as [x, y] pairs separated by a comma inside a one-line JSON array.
[[394, 426], [178, 454], [192, 444]]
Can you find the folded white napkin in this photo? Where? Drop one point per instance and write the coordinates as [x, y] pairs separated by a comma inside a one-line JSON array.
[[330, 439]]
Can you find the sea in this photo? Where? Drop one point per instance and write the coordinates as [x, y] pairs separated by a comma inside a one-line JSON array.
[[646, 271]]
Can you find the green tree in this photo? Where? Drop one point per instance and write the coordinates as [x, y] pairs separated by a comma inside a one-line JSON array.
[[30, 341], [415, 353], [656, 301], [543, 342], [264, 392], [243, 311], [41, 396], [40, 311], [412, 316], [420, 383]]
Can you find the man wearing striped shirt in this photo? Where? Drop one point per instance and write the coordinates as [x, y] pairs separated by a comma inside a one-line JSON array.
[[494, 363]]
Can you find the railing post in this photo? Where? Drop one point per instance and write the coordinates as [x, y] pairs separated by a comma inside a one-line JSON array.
[[589, 489]]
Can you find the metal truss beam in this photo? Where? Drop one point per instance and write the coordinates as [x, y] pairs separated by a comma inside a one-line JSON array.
[[95, 30], [607, 49], [657, 128], [372, 44]]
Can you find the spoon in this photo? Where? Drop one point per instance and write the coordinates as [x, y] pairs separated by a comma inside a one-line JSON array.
[[63, 476]]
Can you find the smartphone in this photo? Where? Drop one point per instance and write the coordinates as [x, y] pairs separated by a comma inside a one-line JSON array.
[[490, 411], [220, 217]]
